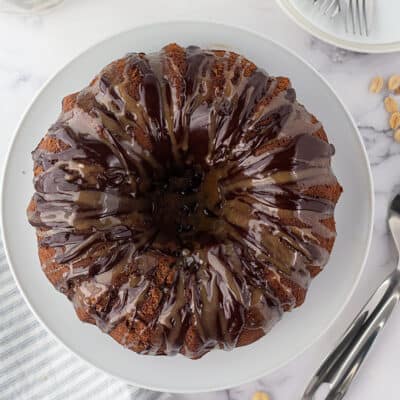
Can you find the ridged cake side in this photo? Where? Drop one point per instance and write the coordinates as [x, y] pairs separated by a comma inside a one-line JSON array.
[[184, 200]]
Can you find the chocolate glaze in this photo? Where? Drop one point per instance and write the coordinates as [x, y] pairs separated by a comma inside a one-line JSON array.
[[207, 174]]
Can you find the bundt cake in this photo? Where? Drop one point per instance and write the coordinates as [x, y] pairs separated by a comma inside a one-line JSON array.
[[184, 200]]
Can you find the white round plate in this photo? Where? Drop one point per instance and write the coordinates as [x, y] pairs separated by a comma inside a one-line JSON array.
[[384, 36], [297, 330]]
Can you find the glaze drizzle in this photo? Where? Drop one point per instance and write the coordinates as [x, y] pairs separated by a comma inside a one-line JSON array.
[[204, 167]]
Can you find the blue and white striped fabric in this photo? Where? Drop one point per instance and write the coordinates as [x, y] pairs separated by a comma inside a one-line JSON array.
[[34, 366]]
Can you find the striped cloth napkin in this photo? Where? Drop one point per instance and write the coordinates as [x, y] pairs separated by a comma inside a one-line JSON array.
[[34, 366]]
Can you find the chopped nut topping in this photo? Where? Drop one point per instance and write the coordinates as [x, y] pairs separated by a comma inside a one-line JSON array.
[[396, 135], [394, 82], [376, 84], [394, 120], [391, 104], [260, 396]]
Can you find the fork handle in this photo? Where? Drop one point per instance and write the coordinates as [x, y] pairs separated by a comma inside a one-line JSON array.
[[343, 363]]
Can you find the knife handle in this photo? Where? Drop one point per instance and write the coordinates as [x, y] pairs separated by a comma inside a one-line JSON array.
[[342, 364]]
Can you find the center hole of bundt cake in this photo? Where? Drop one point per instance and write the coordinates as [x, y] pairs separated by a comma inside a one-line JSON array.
[[181, 206]]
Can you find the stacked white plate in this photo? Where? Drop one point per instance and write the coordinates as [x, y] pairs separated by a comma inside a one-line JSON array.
[[384, 36]]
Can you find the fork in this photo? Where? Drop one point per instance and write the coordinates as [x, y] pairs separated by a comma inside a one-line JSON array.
[[357, 13], [328, 7], [341, 366], [357, 16]]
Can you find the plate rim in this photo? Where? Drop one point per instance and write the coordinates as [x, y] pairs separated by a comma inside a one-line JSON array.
[[371, 203], [307, 26]]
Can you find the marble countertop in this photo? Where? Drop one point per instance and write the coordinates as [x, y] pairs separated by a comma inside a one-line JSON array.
[[35, 47]]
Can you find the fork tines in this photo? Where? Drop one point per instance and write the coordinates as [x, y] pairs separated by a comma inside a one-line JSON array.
[[356, 17], [328, 7]]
